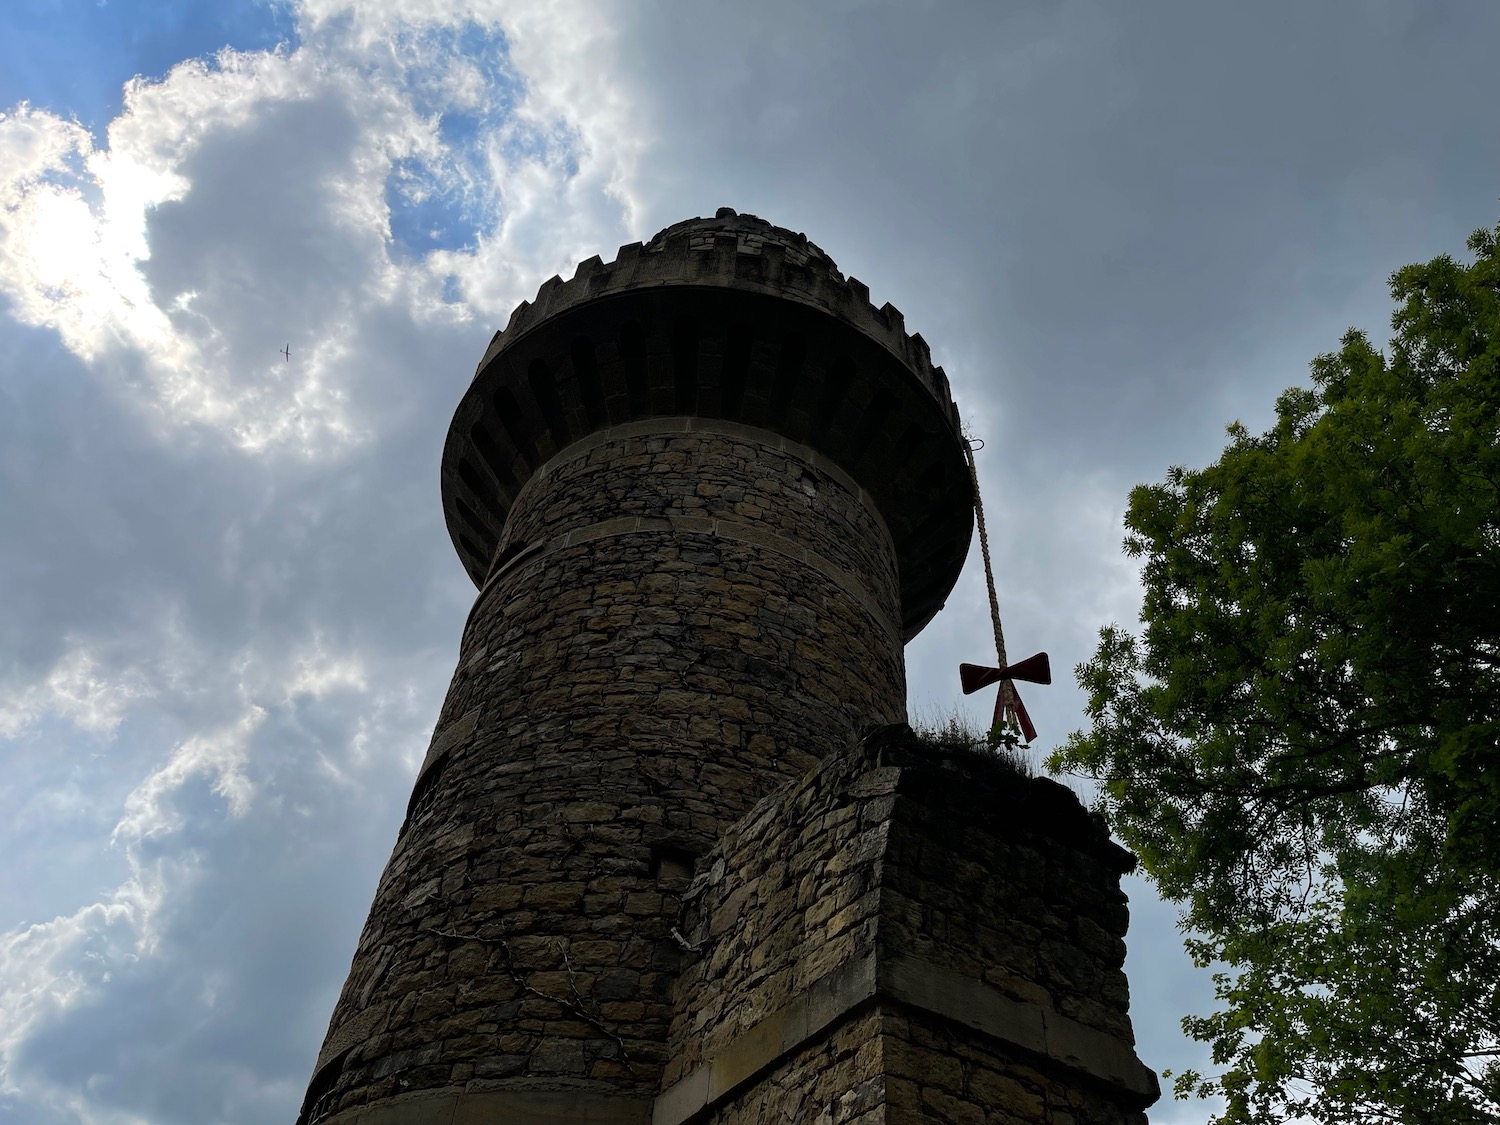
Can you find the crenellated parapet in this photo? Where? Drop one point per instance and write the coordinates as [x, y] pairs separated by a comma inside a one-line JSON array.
[[737, 251], [726, 318]]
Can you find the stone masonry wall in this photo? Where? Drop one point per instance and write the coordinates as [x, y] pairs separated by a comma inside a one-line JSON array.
[[938, 1072], [656, 869], [790, 895], [683, 621], [837, 1079], [976, 912], [1012, 884]]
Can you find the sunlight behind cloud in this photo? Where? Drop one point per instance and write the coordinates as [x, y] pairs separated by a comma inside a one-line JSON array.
[[433, 164], [63, 264]]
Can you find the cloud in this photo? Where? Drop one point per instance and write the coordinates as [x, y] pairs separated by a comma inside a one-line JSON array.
[[219, 755], [77, 690], [212, 730], [231, 609], [258, 810], [247, 201]]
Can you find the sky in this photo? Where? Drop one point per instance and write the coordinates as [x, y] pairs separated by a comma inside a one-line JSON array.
[[228, 606]]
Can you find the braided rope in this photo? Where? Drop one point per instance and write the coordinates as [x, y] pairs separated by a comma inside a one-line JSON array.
[[1005, 709]]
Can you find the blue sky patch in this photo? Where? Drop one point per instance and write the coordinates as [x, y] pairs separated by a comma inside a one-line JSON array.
[[429, 209], [447, 204], [74, 57]]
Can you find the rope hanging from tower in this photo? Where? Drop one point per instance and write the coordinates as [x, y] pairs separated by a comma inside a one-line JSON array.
[[1010, 712]]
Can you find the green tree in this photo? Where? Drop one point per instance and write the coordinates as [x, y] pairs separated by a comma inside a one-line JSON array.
[[1301, 745]]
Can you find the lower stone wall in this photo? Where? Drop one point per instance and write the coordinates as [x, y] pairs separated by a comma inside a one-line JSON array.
[[837, 1080], [787, 898], [899, 937], [965, 920], [939, 1073], [1009, 881], [890, 1064]]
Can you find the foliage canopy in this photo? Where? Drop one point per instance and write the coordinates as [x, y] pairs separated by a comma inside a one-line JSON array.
[[1301, 746]]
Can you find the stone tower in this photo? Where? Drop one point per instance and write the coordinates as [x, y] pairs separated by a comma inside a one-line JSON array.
[[672, 855]]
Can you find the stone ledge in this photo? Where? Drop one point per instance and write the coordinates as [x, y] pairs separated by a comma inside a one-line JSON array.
[[948, 993], [918, 984], [357, 1027], [445, 739], [778, 1034], [501, 1107]]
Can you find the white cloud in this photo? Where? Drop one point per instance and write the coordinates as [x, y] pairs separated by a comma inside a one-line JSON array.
[[60, 265], [76, 688], [219, 755], [318, 672], [44, 968], [51, 969], [73, 235], [232, 206], [182, 290]]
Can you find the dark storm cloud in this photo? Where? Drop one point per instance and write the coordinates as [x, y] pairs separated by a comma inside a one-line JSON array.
[[1099, 208]]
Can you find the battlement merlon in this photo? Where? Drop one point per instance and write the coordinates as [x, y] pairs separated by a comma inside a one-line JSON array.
[[707, 252], [727, 317]]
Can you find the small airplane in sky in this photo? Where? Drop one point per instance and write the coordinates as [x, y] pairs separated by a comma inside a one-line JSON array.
[[287, 351]]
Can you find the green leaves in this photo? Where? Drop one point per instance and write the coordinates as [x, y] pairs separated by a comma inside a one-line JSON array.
[[1301, 744]]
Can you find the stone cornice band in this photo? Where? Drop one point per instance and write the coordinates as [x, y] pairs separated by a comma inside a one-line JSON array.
[[915, 983], [676, 425], [733, 530], [1050, 1037]]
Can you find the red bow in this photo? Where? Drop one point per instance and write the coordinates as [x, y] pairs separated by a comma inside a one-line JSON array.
[[1034, 670]]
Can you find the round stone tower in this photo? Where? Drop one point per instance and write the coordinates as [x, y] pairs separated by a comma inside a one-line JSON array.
[[707, 492]]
